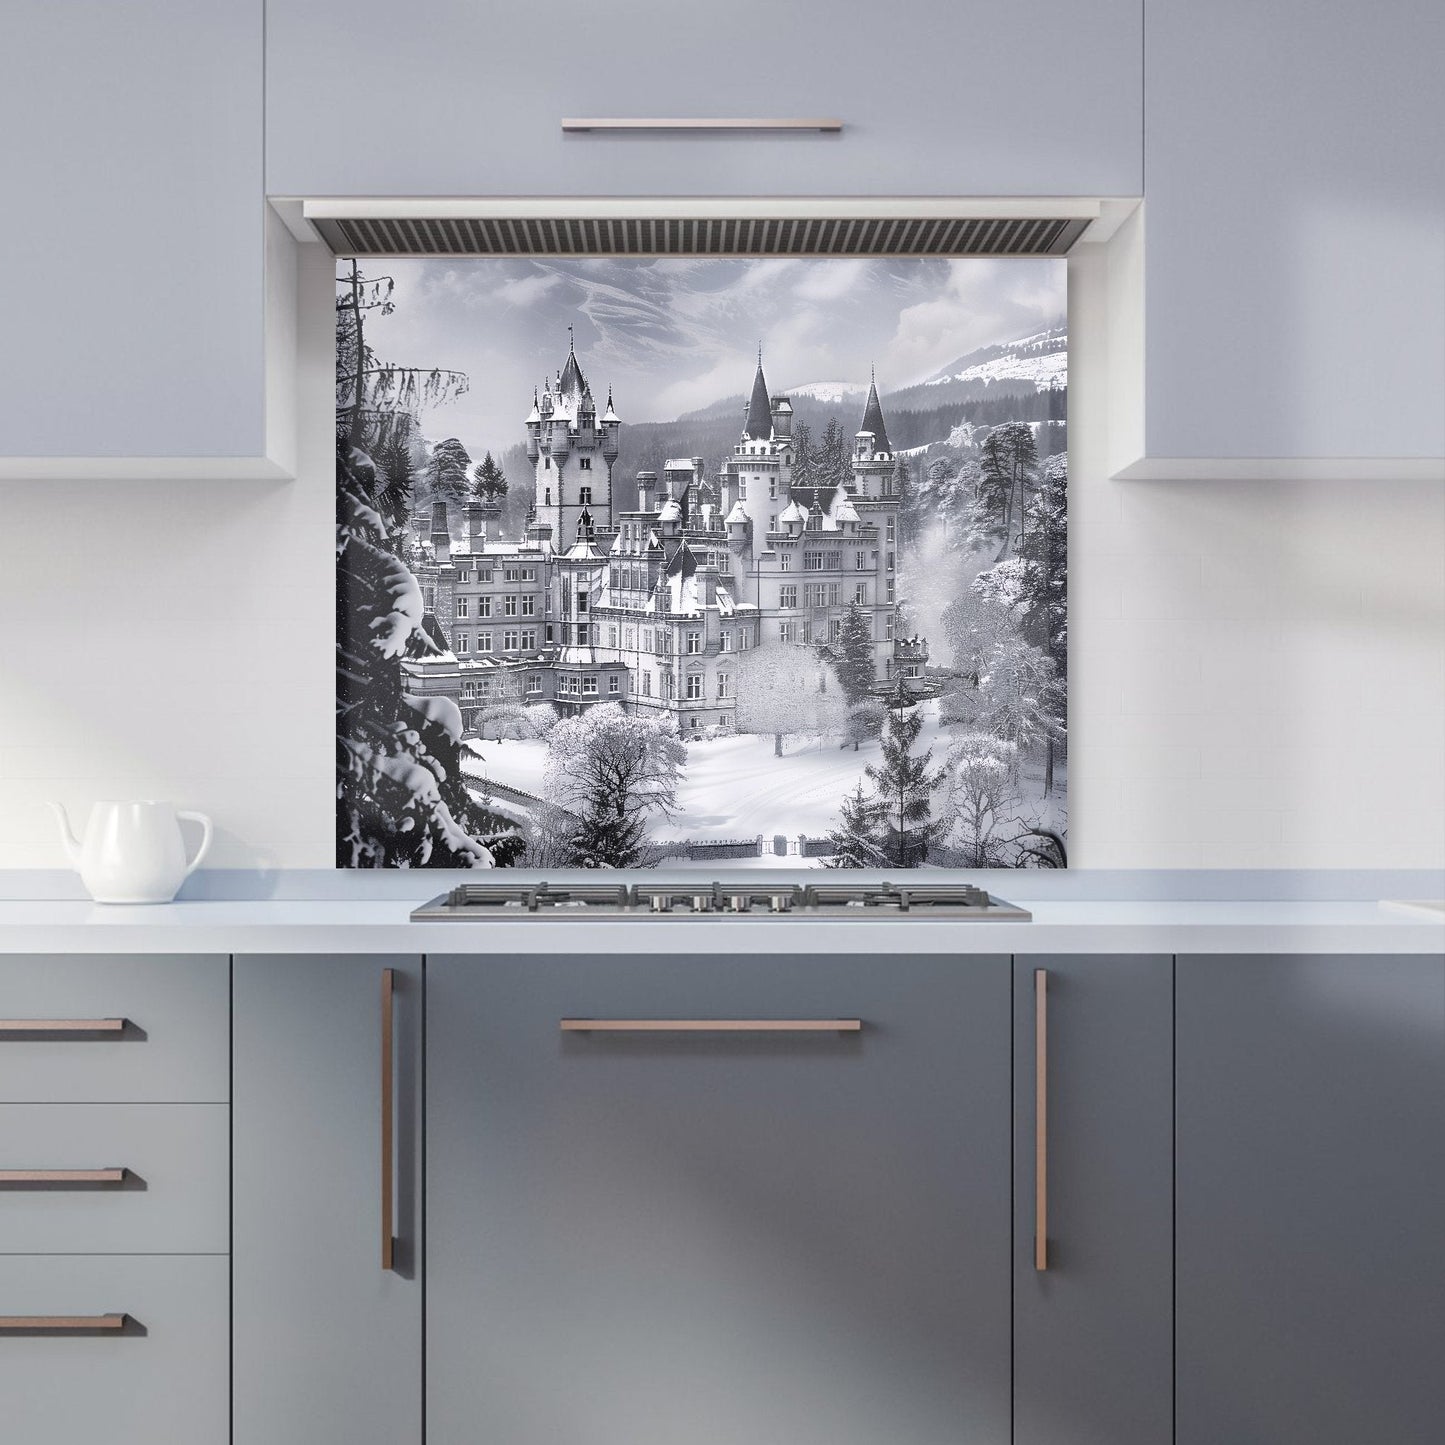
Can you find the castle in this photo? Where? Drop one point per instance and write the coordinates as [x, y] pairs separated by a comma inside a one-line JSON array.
[[651, 607]]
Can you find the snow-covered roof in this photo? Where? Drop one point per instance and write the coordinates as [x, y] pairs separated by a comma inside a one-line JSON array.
[[738, 514], [534, 414], [678, 464], [583, 551], [843, 509], [793, 513], [609, 414], [669, 512]]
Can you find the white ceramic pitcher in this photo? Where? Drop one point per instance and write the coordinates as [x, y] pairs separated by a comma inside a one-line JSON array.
[[133, 852]]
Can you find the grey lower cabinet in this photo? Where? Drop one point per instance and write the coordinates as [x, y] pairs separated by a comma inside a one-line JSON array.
[[1310, 1138], [641, 1237], [326, 1341], [1092, 1330]]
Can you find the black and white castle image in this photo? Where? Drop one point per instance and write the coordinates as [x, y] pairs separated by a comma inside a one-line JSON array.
[[713, 659]]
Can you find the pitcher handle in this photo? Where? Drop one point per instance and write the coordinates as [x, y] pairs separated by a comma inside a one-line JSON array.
[[201, 852]]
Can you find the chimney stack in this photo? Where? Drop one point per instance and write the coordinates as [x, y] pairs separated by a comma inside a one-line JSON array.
[[476, 529], [441, 537], [646, 484]]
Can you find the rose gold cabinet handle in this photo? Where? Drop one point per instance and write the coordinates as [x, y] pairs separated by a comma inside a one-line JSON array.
[[711, 1026], [388, 1117], [1041, 1118], [77, 1323], [702, 124], [63, 1176], [83, 1027]]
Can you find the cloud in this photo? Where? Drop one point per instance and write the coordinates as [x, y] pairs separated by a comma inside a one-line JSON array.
[[525, 290]]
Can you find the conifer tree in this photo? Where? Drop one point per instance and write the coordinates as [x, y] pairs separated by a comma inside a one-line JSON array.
[[857, 840], [904, 785], [855, 661], [1010, 464], [833, 467], [447, 470], [804, 461], [491, 481]]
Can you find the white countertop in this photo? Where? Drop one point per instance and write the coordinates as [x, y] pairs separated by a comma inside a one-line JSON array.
[[383, 927]]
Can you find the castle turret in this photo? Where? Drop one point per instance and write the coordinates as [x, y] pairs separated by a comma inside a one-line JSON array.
[[782, 414], [758, 420], [611, 425], [441, 537], [646, 491]]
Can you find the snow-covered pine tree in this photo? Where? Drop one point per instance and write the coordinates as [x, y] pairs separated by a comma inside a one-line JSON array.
[[857, 840], [803, 459], [491, 481], [1044, 612], [904, 785], [401, 800], [855, 659], [1010, 462], [834, 467], [446, 471]]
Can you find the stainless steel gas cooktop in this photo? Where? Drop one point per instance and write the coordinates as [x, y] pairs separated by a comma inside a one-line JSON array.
[[472, 901]]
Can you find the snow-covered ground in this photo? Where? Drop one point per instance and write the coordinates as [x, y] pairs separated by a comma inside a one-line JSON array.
[[735, 788]]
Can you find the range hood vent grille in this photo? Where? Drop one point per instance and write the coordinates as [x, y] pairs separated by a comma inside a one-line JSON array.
[[840, 235]]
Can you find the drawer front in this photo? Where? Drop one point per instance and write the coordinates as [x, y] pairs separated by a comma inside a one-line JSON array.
[[163, 1377], [174, 1047], [171, 1198]]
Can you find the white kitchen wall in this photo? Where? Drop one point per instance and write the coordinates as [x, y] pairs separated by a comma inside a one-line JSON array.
[[1258, 669]]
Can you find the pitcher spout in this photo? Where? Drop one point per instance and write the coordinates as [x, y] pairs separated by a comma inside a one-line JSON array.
[[68, 840]]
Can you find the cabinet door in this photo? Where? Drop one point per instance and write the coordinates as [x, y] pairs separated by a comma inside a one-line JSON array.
[[1036, 97], [1093, 1358], [1295, 237], [327, 1342], [1310, 1193], [641, 1238], [133, 317]]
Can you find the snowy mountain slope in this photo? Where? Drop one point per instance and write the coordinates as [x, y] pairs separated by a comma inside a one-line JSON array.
[[1042, 359]]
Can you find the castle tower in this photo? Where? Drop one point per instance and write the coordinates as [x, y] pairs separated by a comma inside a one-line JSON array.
[[572, 451], [873, 462]]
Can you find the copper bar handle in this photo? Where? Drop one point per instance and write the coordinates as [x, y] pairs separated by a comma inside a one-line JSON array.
[[85, 1027], [711, 1026], [63, 1176], [388, 1118], [744, 125], [1041, 1119], [77, 1323]]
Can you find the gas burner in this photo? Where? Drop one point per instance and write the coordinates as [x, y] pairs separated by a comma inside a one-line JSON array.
[[926, 899]]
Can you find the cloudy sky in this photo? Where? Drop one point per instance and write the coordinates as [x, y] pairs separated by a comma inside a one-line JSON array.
[[675, 334]]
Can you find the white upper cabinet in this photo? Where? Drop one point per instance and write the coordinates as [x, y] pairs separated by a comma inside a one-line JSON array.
[[1294, 239], [134, 311], [456, 98]]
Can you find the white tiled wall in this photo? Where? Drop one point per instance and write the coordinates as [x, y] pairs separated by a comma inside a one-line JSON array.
[[1258, 669]]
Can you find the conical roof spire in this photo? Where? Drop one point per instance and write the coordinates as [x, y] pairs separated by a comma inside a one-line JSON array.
[[759, 424], [570, 381], [873, 417]]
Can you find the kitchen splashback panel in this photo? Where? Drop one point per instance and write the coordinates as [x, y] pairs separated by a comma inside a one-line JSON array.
[[610, 596]]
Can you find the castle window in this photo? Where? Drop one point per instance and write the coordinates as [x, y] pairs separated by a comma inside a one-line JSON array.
[[724, 685], [694, 642], [585, 496], [860, 595], [646, 684], [484, 642], [785, 632], [585, 464], [582, 634], [745, 640], [614, 685], [510, 641], [890, 529], [529, 574], [464, 642], [834, 591], [547, 497], [529, 606], [429, 598], [461, 606], [581, 602], [727, 639], [805, 631], [812, 561], [860, 562], [464, 576], [833, 561], [509, 605], [694, 686], [837, 628], [788, 596], [785, 561], [547, 463], [888, 628], [550, 637], [890, 589], [529, 640], [589, 686], [772, 489], [890, 561], [611, 636], [534, 682]]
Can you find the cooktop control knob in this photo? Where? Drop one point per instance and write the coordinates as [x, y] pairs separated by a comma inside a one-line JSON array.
[[780, 903]]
